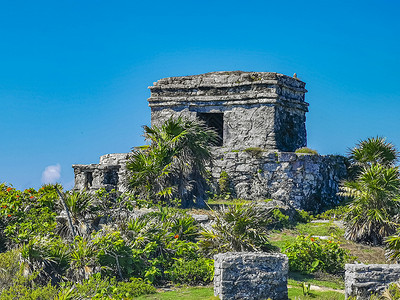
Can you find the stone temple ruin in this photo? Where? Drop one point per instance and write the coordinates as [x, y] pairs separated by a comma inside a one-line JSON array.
[[260, 118]]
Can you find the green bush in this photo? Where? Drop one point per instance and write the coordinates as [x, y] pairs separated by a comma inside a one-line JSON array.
[[306, 150], [133, 288], [308, 254], [26, 214], [192, 272], [302, 216], [25, 289], [9, 268], [279, 219], [113, 254], [97, 288], [224, 185], [336, 213], [159, 237]]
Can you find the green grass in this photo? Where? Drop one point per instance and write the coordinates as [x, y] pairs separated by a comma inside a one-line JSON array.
[[189, 293], [306, 150], [228, 201], [297, 293], [213, 202], [321, 229], [280, 238], [207, 293], [319, 279]]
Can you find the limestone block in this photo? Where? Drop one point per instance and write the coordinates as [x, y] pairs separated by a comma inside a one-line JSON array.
[[363, 280], [246, 275]]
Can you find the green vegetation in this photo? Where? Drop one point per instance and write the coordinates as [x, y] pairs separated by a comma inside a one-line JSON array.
[[374, 192], [254, 151], [297, 293], [173, 164], [306, 150], [309, 254], [225, 191], [57, 244], [189, 293], [336, 213], [238, 228]]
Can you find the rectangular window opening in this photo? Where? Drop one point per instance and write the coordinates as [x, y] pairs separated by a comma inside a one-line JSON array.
[[216, 122], [111, 177], [88, 179]]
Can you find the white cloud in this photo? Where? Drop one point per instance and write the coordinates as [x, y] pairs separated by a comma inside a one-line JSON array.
[[51, 174]]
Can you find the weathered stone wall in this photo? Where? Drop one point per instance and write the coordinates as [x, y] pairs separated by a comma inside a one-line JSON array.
[[110, 173], [260, 109], [302, 180], [363, 280], [244, 275]]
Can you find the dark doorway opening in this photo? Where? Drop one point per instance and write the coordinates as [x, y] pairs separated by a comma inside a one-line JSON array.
[[216, 122], [89, 179], [111, 177]]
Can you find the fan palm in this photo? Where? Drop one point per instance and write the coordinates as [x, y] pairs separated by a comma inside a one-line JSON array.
[[173, 165], [238, 228], [373, 212], [372, 151]]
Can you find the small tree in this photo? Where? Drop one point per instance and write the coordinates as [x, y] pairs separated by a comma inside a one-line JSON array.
[[374, 190], [372, 151], [173, 165]]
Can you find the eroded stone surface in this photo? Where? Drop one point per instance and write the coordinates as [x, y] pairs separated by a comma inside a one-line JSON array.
[[245, 275], [363, 280], [303, 181], [110, 173], [260, 109]]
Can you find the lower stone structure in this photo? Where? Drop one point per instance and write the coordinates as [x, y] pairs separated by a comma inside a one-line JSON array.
[[304, 181], [110, 173], [363, 280], [246, 275]]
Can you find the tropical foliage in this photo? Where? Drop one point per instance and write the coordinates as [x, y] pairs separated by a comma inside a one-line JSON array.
[[238, 228], [374, 192], [309, 254], [373, 151], [173, 165], [79, 245]]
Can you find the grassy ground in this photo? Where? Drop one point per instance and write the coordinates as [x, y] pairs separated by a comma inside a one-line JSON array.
[[318, 279], [192, 293], [207, 293], [365, 254], [323, 286]]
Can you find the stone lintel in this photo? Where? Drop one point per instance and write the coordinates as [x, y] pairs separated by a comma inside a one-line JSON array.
[[226, 101]]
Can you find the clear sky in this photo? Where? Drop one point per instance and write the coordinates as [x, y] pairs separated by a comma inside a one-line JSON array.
[[74, 74]]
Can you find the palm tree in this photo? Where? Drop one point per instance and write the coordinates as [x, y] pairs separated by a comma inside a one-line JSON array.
[[173, 165], [374, 209], [372, 151]]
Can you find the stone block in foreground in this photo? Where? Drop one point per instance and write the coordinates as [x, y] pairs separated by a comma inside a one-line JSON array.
[[247, 275], [363, 280]]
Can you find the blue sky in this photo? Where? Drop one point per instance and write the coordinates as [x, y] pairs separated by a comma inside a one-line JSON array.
[[74, 74]]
